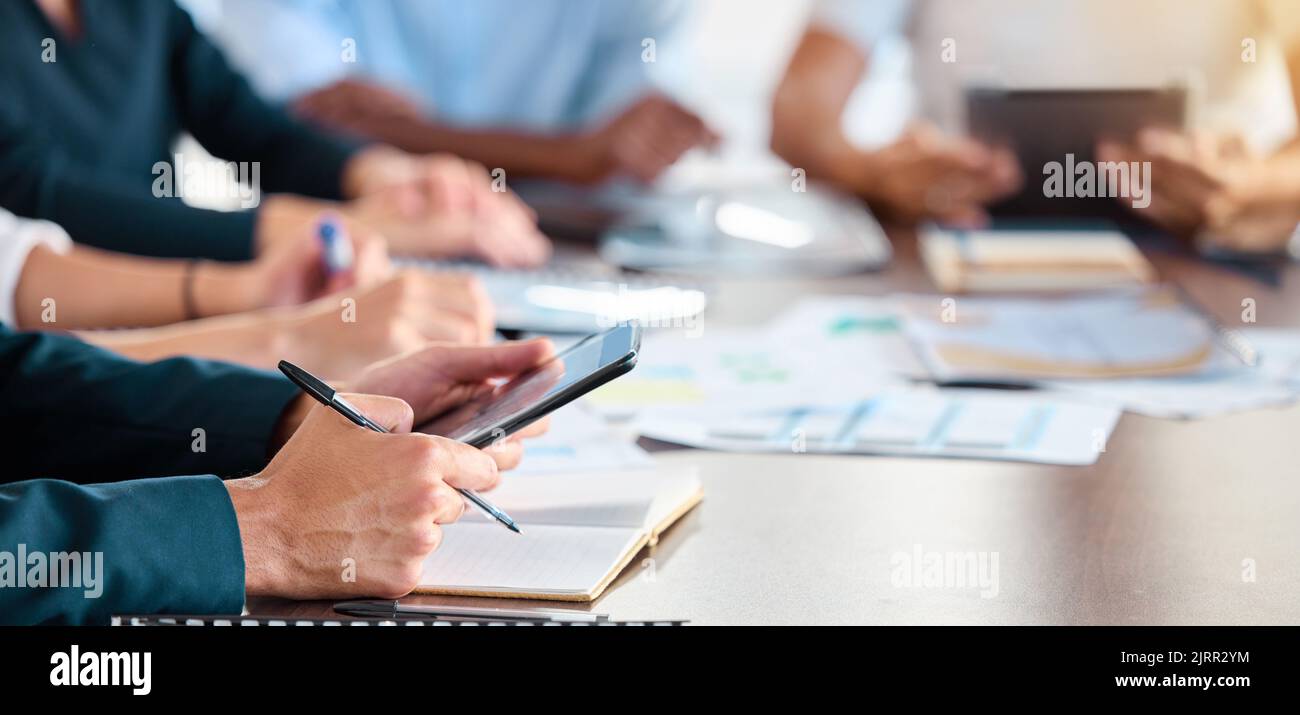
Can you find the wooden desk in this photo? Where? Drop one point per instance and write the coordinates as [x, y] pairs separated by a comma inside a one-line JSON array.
[[1154, 533]]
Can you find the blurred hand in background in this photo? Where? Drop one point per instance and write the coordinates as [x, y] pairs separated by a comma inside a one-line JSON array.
[[440, 206], [922, 174], [1216, 188]]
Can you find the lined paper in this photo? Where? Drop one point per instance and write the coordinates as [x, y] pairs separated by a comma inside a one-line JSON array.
[[544, 559]]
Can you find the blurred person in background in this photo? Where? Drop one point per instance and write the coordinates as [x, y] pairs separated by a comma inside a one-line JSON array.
[[928, 172], [96, 94], [1232, 178], [546, 88]]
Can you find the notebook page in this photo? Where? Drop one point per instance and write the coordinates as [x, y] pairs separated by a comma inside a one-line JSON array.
[[543, 559], [615, 498]]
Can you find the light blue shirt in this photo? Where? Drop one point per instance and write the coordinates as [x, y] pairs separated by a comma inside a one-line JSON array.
[[863, 23], [524, 64]]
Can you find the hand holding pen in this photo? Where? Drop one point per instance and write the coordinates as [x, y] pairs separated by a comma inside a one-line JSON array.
[[326, 395], [347, 254], [345, 512]]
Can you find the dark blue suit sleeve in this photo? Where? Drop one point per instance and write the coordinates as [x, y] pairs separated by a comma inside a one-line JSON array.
[[39, 180], [77, 412], [74, 554], [220, 109]]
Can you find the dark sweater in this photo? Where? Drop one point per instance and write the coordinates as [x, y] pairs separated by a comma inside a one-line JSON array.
[[79, 136], [74, 417]]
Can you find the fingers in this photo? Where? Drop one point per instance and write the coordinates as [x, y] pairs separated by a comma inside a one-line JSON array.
[[510, 246], [384, 101], [1166, 209], [1256, 229], [464, 299], [347, 101], [506, 228], [536, 429], [965, 217], [470, 219], [463, 466], [448, 307], [652, 134], [944, 178], [446, 505], [450, 183], [316, 105], [479, 306], [438, 378], [1234, 147], [507, 453], [477, 363], [1005, 172], [391, 413], [370, 263], [370, 255]]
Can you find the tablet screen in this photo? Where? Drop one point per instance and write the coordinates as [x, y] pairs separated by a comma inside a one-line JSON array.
[[529, 395], [1058, 125]]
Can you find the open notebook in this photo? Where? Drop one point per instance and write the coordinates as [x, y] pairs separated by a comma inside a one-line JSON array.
[[579, 532]]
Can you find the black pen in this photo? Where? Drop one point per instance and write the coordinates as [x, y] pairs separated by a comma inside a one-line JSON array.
[[327, 396], [397, 609]]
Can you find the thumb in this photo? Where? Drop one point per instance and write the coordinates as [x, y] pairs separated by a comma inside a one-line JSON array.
[[474, 363], [391, 413]]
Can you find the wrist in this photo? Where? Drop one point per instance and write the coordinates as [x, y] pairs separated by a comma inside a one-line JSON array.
[[860, 171], [259, 535], [221, 289], [291, 417], [365, 212], [283, 216], [583, 159], [372, 168], [294, 334]]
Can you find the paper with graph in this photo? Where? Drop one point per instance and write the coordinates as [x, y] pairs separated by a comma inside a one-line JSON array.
[[920, 422], [579, 441], [839, 356]]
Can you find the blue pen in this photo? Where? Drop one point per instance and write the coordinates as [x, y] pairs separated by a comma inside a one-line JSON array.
[[336, 248]]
